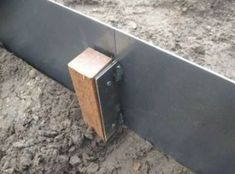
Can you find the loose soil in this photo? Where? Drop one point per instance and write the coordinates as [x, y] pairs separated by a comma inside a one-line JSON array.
[[41, 129]]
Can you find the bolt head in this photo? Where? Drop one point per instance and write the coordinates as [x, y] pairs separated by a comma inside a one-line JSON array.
[[109, 83], [113, 125]]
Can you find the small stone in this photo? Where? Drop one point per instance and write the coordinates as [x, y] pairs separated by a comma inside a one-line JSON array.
[[66, 123], [89, 134], [200, 50], [9, 171], [208, 27], [72, 149], [54, 152], [85, 157], [184, 9], [37, 78], [77, 139], [59, 137], [32, 73], [38, 159], [148, 146], [49, 134], [35, 117], [92, 168], [133, 25], [74, 160], [19, 144], [136, 166]]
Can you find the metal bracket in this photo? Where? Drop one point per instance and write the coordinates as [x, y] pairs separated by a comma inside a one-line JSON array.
[[107, 84]]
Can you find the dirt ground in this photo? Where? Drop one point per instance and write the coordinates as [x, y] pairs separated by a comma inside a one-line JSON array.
[[41, 130]]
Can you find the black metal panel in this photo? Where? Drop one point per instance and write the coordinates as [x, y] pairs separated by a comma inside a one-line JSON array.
[[108, 94], [48, 36], [185, 110]]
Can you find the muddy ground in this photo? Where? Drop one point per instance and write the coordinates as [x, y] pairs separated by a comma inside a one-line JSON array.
[[41, 130]]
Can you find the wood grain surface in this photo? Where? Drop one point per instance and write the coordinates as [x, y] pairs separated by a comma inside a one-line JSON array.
[[83, 70]]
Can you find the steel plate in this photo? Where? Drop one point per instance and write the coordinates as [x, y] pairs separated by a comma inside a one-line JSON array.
[[182, 108], [109, 99], [48, 36]]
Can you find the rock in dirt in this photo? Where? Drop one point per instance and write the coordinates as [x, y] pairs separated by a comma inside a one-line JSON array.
[[133, 25], [38, 159], [200, 50], [136, 166], [32, 73], [77, 139], [89, 134], [19, 144], [185, 9], [85, 157], [92, 168], [74, 160], [72, 149], [62, 159], [49, 134], [59, 137], [66, 123]]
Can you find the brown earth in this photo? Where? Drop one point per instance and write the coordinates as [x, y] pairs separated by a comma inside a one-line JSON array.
[[41, 130]]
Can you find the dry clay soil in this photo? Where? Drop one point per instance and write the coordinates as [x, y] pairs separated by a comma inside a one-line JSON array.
[[41, 129]]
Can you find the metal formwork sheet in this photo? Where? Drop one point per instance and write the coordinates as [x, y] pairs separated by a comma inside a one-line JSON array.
[[48, 35], [187, 111], [182, 108]]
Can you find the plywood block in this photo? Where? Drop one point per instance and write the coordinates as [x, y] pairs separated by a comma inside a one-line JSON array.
[[83, 70]]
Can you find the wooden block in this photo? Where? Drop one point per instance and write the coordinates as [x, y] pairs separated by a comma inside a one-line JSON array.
[[83, 70]]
